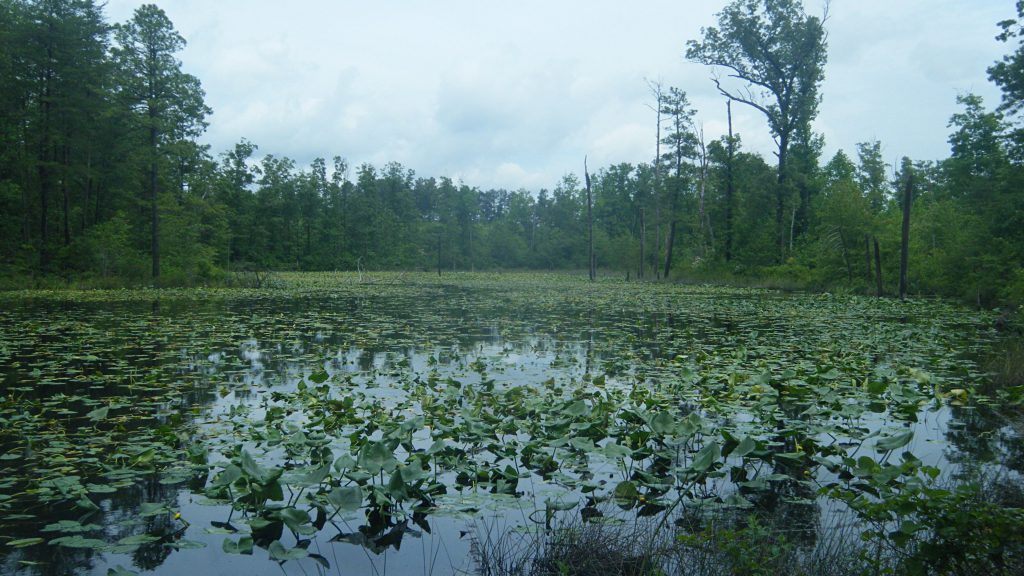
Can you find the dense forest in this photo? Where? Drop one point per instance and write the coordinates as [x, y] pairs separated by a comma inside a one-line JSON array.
[[103, 181]]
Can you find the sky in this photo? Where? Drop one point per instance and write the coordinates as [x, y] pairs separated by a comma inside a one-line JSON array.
[[515, 94]]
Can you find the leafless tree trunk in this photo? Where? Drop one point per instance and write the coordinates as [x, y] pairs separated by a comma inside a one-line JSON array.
[[705, 219], [729, 187], [643, 242], [656, 186], [668, 249], [591, 262]]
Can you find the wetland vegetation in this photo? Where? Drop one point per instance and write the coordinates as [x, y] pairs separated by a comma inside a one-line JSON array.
[[223, 364], [405, 424]]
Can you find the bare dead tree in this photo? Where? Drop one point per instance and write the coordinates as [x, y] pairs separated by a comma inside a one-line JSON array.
[[729, 190], [659, 97], [591, 262]]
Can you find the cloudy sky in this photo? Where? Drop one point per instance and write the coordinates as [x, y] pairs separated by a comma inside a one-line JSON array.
[[514, 94]]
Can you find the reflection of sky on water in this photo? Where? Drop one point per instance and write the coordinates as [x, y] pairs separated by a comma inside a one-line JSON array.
[[236, 353]]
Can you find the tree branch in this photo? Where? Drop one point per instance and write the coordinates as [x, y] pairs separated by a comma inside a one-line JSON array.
[[732, 96]]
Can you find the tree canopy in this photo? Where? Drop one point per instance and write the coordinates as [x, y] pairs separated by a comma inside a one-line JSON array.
[[778, 55], [103, 180]]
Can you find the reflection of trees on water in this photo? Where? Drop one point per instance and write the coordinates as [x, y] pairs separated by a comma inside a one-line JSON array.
[[118, 516], [49, 561], [363, 334], [980, 435]]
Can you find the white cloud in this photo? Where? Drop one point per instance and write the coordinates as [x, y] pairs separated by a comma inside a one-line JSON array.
[[515, 94]]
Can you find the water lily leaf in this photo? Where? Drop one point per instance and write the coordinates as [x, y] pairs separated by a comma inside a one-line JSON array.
[[707, 456], [746, 446], [294, 517], [24, 542], [663, 423], [790, 457], [319, 377], [690, 425], [70, 527], [253, 469], [100, 488], [347, 462], [626, 491], [345, 498], [397, 488], [735, 499], [98, 414], [306, 477], [895, 441], [577, 409], [583, 443], [877, 387], [243, 546], [376, 456], [281, 554], [153, 509], [438, 446], [613, 450], [186, 545], [78, 541], [85, 503], [559, 505]]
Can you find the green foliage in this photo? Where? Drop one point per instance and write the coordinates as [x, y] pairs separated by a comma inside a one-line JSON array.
[[71, 191], [107, 251]]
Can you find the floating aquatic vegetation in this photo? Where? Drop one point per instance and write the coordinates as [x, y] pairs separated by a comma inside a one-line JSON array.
[[361, 410]]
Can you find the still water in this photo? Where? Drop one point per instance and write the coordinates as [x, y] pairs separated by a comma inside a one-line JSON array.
[[503, 406]]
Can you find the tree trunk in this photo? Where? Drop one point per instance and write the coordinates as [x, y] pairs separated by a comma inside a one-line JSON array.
[[44, 202], [656, 188], [88, 194], [672, 224], [780, 197], [591, 263], [729, 187], [45, 183], [66, 160], [878, 268], [668, 246], [792, 228], [643, 241], [153, 204], [908, 196], [867, 258], [657, 240], [702, 215]]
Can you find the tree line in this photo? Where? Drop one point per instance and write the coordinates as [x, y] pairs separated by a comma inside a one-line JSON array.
[[103, 181]]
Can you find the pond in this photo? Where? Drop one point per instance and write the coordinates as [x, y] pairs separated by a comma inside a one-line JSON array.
[[369, 424]]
